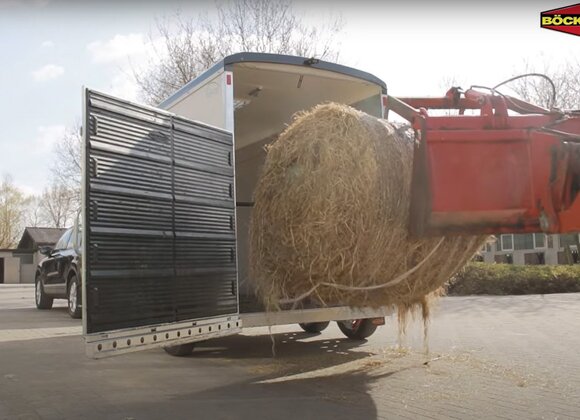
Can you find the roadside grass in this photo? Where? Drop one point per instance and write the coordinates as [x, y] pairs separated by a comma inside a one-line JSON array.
[[478, 278]]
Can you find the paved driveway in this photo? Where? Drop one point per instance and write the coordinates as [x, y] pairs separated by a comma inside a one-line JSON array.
[[490, 357]]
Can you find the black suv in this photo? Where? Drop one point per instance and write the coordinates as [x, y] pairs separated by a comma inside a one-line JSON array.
[[58, 276]]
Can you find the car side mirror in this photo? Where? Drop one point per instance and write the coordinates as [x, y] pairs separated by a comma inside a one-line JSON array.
[[45, 250]]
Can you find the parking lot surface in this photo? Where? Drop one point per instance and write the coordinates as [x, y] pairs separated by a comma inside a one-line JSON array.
[[489, 357]]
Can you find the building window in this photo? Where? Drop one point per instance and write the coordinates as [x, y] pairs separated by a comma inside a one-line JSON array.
[[523, 241], [568, 256], [534, 258], [568, 239], [550, 241], [507, 242], [539, 240], [486, 247]]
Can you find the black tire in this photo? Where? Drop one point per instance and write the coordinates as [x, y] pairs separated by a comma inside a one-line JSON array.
[[73, 295], [357, 329], [180, 350], [42, 300], [314, 327]]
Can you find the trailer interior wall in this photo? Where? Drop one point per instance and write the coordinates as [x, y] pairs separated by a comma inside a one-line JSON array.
[[205, 103], [267, 96]]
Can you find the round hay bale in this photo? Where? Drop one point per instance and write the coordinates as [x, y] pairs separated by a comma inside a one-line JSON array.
[[331, 213]]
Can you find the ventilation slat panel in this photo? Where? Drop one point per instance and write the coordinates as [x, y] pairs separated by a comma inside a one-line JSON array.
[[160, 235]]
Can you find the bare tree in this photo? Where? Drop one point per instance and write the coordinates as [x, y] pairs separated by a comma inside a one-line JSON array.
[[58, 204], [66, 169], [184, 47], [12, 209], [449, 81], [34, 215], [539, 91]]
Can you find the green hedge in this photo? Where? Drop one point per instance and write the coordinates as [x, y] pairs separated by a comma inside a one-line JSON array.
[[506, 279]]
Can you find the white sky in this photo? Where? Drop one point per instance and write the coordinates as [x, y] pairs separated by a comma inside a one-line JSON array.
[[51, 48]]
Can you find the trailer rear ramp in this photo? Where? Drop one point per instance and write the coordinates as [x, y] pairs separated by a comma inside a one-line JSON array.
[[159, 243]]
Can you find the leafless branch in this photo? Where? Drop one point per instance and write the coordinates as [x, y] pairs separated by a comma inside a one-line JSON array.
[[538, 91], [59, 205], [184, 46]]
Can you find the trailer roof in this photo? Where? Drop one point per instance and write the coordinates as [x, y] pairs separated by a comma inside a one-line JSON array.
[[250, 57]]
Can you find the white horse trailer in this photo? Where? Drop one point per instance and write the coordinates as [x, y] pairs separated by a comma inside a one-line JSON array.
[[167, 201]]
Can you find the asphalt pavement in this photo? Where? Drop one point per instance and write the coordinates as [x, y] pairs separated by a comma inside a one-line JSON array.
[[489, 357]]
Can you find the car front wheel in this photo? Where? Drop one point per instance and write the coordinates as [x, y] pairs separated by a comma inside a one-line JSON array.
[[74, 295], [42, 301]]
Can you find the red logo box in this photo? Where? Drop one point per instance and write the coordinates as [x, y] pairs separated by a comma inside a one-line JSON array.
[[565, 19]]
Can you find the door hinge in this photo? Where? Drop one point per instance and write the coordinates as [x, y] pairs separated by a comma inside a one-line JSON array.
[[93, 123]]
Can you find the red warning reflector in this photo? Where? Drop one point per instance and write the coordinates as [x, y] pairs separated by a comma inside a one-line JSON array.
[[228, 79]]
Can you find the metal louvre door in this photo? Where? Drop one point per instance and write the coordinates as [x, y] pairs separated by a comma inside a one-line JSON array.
[[159, 244]]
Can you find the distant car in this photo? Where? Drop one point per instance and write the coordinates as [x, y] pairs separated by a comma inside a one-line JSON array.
[[58, 276]]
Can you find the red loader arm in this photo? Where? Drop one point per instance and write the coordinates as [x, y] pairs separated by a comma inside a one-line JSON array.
[[493, 172]]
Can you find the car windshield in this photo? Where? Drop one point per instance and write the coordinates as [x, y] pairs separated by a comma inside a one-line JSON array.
[[64, 240]]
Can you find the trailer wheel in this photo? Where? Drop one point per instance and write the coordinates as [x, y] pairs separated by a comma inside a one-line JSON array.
[[357, 329], [180, 350], [314, 327]]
